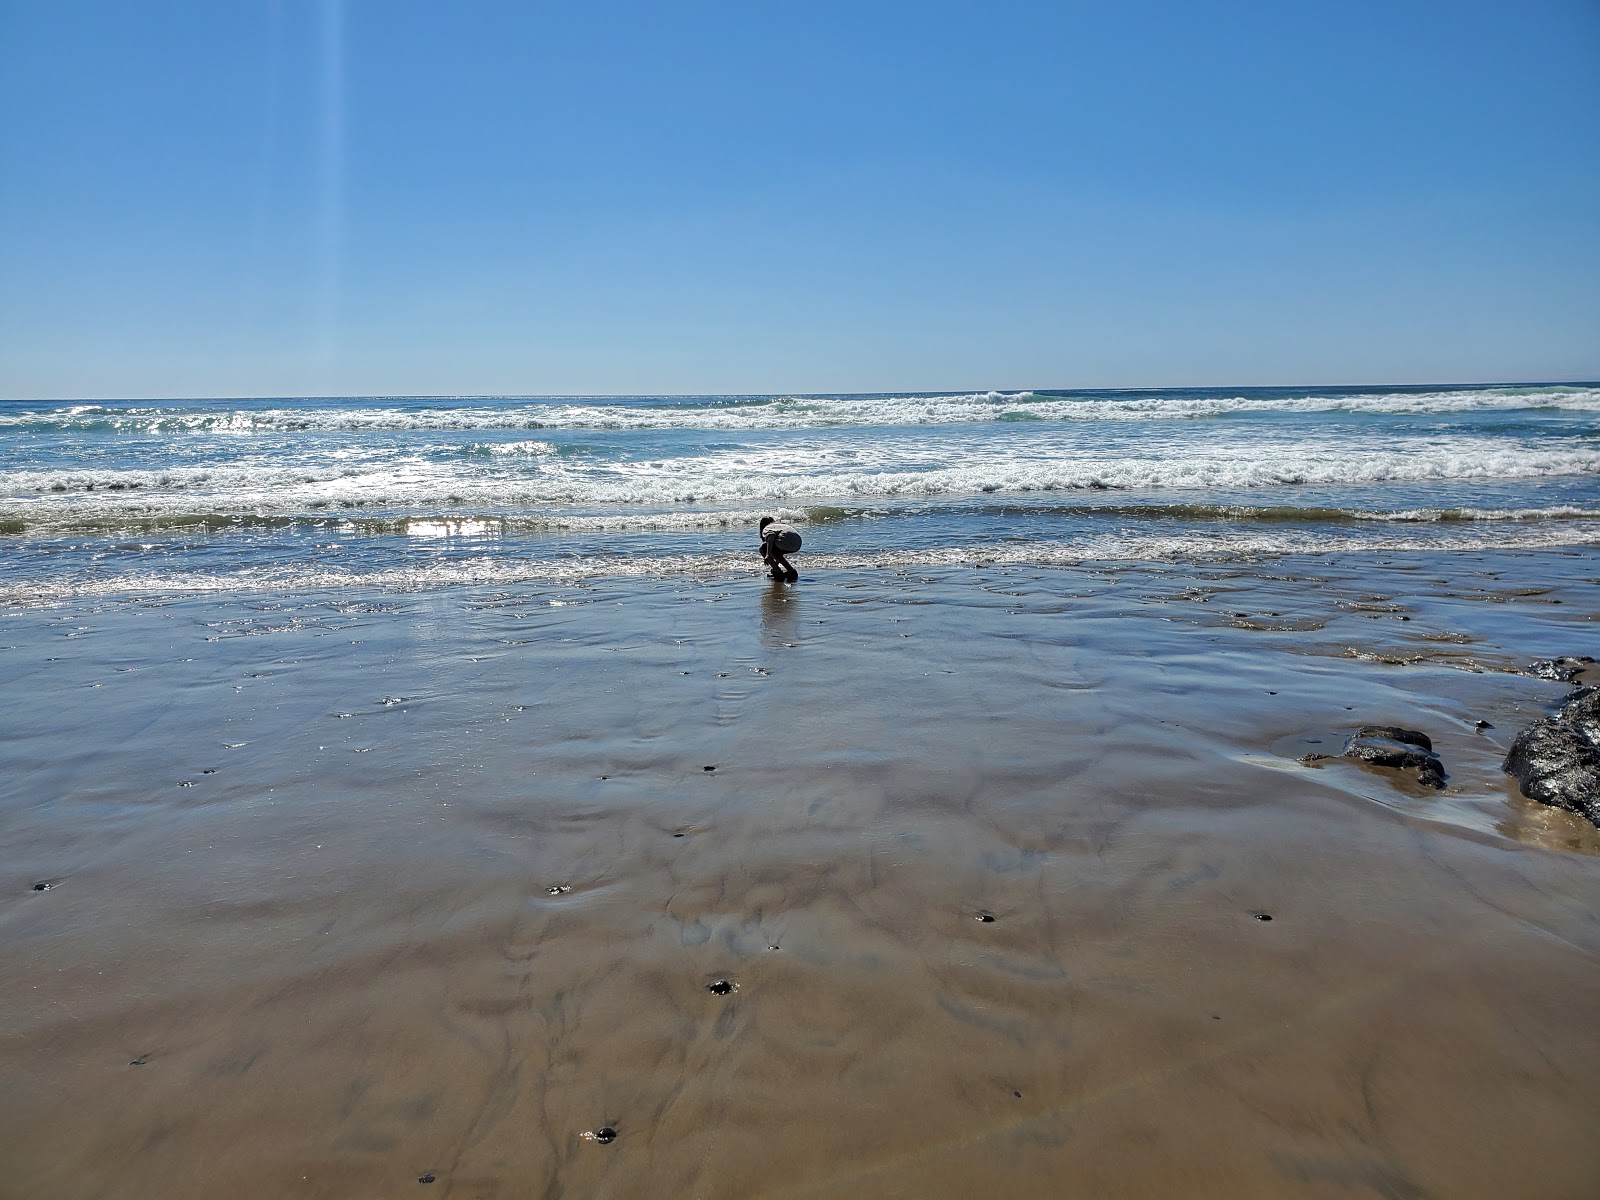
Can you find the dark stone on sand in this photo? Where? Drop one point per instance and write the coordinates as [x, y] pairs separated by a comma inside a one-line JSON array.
[[139, 1062], [721, 987], [708, 768], [1263, 916], [1480, 726], [986, 917], [43, 887], [605, 1135], [1397, 749], [428, 1178], [1556, 760], [1395, 734]]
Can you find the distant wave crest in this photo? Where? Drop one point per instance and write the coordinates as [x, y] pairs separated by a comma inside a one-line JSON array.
[[777, 412]]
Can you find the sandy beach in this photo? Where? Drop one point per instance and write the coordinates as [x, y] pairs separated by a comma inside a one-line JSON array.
[[365, 895]]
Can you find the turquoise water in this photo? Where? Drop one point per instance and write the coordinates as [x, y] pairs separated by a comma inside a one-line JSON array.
[[142, 496]]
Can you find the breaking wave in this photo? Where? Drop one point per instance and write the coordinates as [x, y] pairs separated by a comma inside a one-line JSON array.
[[381, 414]]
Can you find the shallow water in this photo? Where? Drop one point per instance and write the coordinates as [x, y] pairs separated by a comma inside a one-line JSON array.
[[376, 884], [292, 494]]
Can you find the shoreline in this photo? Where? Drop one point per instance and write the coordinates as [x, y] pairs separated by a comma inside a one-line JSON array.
[[385, 884], [486, 564]]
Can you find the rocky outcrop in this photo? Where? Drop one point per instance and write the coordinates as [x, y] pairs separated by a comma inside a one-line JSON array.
[[1556, 760], [1395, 748]]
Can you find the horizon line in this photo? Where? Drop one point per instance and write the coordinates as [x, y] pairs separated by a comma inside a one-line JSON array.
[[799, 395]]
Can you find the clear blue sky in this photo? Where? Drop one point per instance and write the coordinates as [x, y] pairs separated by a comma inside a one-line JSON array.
[[285, 197]]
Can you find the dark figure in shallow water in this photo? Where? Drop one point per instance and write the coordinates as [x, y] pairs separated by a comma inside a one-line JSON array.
[[776, 541]]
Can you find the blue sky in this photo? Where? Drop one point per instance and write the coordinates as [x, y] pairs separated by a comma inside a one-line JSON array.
[[291, 197]]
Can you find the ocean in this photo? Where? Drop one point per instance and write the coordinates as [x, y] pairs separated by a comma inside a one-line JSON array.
[[184, 496]]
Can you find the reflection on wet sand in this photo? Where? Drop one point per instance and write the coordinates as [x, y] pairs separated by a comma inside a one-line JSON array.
[[974, 901]]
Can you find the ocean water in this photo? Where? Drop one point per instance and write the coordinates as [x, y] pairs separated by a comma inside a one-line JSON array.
[[180, 496]]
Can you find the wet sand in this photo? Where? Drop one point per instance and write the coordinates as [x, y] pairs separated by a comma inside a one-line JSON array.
[[347, 891]]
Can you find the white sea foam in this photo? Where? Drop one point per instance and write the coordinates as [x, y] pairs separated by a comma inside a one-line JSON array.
[[789, 412], [794, 477], [1234, 545]]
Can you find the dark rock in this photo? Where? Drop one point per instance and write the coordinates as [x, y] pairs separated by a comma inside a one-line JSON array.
[[1394, 733], [1582, 712], [1397, 749], [1556, 760]]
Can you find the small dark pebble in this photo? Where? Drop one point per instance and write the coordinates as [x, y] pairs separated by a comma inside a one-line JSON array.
[[986, 917], [43, 887], [605, 1135], [1480, 726], [1018, 1095], [208, 771], [139, 1062], [721, 987], [708, 768], [428, 1178], [1263, 916], [677, 835]]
